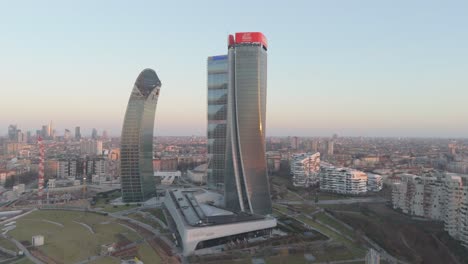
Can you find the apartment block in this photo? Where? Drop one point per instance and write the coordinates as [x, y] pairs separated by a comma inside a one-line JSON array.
[[342, 180], [305, 168]]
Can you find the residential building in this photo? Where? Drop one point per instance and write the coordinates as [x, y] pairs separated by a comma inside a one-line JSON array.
[[342, 180], [67, 168], [374, 182], [305, 168], [91, 147], [436, 196], [136, 151]]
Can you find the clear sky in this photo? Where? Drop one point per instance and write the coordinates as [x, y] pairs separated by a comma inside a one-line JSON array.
[[370, 68]]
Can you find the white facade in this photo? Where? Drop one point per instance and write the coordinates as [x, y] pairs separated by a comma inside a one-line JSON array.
[[19, 189], [374, 182], [186, 212], [97, 167], [37, 240], [199, 174], [91, 147], [342, 180], [66, 169], [305, 168], [442, 197], [167, 177], [51, 183]]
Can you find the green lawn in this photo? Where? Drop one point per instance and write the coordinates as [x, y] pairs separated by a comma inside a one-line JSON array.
[[333, 223], [147, 254], [106, 260], [73, 242], [5, 243], [150, 222], [23, 260], [283, 209], [109, 208], [354, 250], [104, 203], [158, 213], [322, 196]]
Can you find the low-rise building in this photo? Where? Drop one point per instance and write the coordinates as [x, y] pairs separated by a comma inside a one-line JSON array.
[[200, 226], [199, 174], [37, 240]]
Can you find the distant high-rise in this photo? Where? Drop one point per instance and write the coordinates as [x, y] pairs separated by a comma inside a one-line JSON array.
[[66, 134], [217, 115], [136, 152], [94, 134], [44, 131], [91, 147], [50, 130], [13, 133], [105, 136], [330, 147], [246, 179], [77, 133], [28, 137]]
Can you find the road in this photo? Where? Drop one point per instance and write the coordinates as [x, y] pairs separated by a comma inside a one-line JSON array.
[[338, 201]]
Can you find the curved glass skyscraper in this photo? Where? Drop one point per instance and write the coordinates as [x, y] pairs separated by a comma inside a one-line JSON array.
[[136, 151], [246, 178]]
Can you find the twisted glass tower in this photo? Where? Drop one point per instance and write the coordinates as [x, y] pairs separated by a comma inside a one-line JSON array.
[[246, 179], [136, 151]]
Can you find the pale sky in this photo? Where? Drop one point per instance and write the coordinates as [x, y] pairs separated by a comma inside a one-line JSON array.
[[355, 68]]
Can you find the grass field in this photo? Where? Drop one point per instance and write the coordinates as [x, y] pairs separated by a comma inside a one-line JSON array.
[[106, 260], [322, 217], [147, 254], [403, 237], [158, 213], [352, 249], [23, 260], [5, 243], [103, 201], [150, 222], [73, 242]]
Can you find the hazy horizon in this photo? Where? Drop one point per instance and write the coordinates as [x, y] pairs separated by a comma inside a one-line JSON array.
[[377, 69]]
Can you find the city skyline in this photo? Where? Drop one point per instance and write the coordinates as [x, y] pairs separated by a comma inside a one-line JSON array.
[[356, 70]]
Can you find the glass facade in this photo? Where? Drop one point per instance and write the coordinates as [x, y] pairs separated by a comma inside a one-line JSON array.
[[136, 152], [246, 181], [217, 113]]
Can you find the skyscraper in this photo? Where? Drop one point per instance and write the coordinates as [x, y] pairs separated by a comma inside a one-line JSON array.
[[94, 134], [13, 133], [246, 180], [136, 154], [217, 114], [50, 130], [77, 133]]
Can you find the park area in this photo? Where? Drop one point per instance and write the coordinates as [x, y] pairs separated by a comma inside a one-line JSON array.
[[72, 236], [415, 241]]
